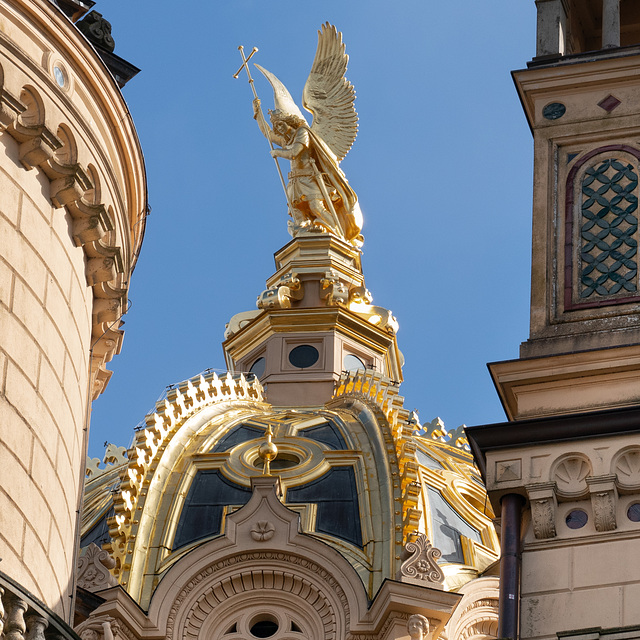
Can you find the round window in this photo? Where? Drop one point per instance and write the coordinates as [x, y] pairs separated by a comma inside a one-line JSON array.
[[633, 512], [303, 356], [258, 367], [352, 363], [265, 627], [576, 519]]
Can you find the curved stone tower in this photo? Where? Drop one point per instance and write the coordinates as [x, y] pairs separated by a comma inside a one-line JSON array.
[[72, 211]]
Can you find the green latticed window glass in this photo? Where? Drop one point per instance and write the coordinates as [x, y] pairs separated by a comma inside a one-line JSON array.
[[608, 231]]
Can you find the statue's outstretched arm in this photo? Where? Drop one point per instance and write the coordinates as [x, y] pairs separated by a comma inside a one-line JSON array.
[[267, 132]]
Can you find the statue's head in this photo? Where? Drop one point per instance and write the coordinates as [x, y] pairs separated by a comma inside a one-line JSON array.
[[279, 118], [418, 627], [89, 634]]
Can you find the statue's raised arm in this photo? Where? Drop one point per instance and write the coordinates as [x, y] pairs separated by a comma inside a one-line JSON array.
[[319, 196]]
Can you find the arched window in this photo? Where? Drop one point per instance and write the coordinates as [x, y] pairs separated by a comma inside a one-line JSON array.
[[601, 237]]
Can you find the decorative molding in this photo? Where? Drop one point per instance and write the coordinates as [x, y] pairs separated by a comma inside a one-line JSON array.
[[391, 619], [114, 456], [508, 470], [436, 430], [381, 393], [377, 391], [422, 565], [484, 626], [477, 614]]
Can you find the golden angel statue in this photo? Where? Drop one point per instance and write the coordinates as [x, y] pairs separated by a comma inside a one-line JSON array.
[[319, 196]]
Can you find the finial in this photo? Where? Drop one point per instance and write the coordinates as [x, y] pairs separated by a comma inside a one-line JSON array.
[[268, 452]]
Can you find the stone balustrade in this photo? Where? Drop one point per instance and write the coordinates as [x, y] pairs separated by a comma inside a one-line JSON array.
[[23, 617]]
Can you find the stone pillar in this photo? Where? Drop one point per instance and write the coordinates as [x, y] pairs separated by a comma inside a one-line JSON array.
[[610, 24], [552, 28]]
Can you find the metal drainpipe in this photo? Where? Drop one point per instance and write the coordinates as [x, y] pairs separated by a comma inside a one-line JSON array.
[[509, 602]]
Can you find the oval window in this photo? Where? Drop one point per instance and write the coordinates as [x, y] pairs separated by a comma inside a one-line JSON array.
[[303, 356]]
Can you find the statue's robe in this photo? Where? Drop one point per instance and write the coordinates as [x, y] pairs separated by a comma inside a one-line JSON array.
[[303, 183]]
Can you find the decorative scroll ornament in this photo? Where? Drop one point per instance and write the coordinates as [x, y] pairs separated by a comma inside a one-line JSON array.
[[97, 30], [422, 566], [334, 292], [604, 510], [93, 569], [280, 295]]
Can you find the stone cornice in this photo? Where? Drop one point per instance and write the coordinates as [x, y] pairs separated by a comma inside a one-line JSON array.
[[577, 426]]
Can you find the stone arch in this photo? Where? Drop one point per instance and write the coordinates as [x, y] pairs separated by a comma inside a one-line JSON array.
[[241, 574], [251, 593], [290, 613]]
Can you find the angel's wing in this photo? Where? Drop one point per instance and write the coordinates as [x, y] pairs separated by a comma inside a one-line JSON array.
[[329, 95]]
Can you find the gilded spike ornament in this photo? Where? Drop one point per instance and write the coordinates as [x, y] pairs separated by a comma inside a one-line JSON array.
[[319, 197]]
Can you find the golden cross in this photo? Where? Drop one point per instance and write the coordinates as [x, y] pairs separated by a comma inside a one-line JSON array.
[[246, 66]]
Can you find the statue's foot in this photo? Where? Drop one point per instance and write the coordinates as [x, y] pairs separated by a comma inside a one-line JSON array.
[[320, 228]]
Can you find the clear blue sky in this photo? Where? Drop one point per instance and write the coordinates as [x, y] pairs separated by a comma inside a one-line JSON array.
[[442, 166]]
